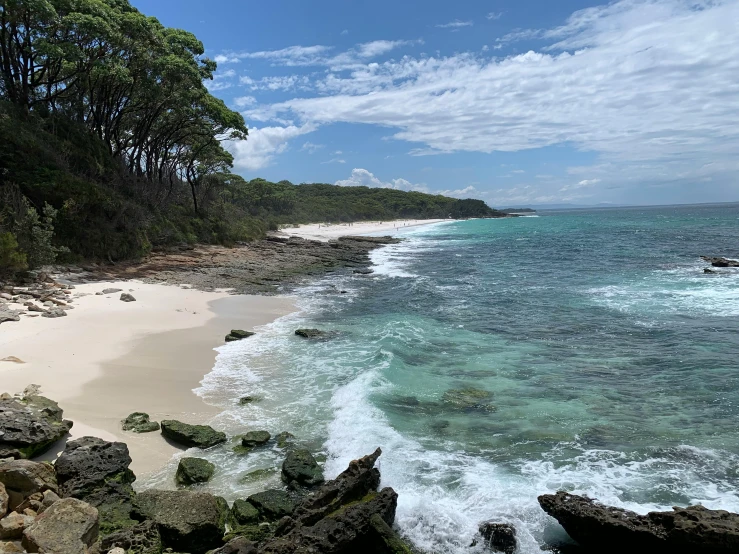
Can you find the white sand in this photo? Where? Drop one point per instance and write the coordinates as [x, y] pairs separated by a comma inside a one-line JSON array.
[[109, 358], [325, 232]]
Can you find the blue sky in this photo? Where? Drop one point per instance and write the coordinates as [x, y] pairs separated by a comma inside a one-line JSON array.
[[527, 102]]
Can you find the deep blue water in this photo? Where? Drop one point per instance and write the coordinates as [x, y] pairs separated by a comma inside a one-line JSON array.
[[608, 364]]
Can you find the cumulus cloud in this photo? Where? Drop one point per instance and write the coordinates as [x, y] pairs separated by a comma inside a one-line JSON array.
[[649, 85], [263, 144], [312, 148], [363, 178]]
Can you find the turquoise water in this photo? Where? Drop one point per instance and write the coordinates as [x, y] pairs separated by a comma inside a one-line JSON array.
[[610, 359]]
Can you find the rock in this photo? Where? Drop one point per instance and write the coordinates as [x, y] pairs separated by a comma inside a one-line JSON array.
[[11, 548], [97, 472], [707, 270], [6, 296], [139, 422], [201, 436], [720, 262], [272, 504], [49, 498], [116, 550], [239, 545], [194, 470], [34, 308], [244, 512], [313, 334], [238, 334], [12, 526], [255, 438], [12, 359], [22, 478], [300, 469], [32, 503], [70, 526], [143, 538], [499, 537], [385, 539], [468, 399], [8, 316], [607, 529], [363, 271], [126, 297], [111, 291], [191, 521], [4, 501], [53, 312], [30, 425], [284, 439], [244, 400]]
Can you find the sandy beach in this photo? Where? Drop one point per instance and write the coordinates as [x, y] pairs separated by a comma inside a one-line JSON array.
[[325, 232], [109, 358]]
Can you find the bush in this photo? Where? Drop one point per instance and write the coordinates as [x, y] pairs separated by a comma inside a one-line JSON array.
[[12, 260]]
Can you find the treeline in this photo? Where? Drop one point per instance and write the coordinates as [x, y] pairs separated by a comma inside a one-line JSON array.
[[111, 144]]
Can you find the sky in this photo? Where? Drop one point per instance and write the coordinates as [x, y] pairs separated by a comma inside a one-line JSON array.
[[525, 102]]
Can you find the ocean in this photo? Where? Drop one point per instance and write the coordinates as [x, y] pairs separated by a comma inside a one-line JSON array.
[[600, 358]]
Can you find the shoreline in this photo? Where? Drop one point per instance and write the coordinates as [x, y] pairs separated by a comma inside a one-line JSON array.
[[325, 232], [109, 358]]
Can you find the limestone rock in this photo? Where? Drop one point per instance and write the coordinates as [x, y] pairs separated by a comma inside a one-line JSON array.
[[244, 513], [300, 469], [9, 316], [22, 478], [126, 297], [111, 291], [238, 334], [194, 470], [139, 422], [255, 438], [190, 521], [12, 526], [201, 436], [272, 504], [499, 537], [4, 501], [143, 538], [607, 529], [70, 526], [30, 426], [11, 547], [53, 312]]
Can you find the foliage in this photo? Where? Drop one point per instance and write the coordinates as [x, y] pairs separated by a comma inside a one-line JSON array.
[[12, 260]]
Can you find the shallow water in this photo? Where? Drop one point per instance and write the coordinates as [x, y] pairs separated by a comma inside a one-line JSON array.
[[611, 360]]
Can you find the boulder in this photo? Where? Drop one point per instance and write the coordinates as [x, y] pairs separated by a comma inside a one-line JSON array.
[[30, 425], [97, 472], [720, 262], [125, 297], [239, 545], [238, 334], [111, 291], [243, 512], [4, 501], [13, 547], [708, 270], [284, 439], [12, 526], [244, 400], [300, 469], [9, 316], [607, 529], [53, 312], [272, 504], [194, 470], [70, 526], [143, 538], [139, 422], [22, 478], [201, 436], [189, 521], [313, 334], [255, 438], [499, 537]]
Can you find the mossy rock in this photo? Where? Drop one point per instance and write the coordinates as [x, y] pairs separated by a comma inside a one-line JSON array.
[[194, 470], [301, 469], [243, 512], [139, 422], [201, 436], [249, 399], [255, 438], [255, 532], [257, 475], [272, 504], [238, 334], [284, 439]]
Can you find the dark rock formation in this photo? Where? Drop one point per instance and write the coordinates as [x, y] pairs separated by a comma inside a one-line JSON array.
[[144, 538], [194, 470], [255, 438], [23, 478], [284, 439], [315, 334], [244, 400], [29, 426], [239, 545], [69, 526], [139, 422], [238, 334], [300, 469], [125, 297], [96, 471], [188, 521], [694, 530], [201, 436], [243, 512], [720, 262], [272, 504], [499, 537]]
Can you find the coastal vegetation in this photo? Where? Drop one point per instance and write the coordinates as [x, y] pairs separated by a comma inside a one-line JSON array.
[[111, 145]]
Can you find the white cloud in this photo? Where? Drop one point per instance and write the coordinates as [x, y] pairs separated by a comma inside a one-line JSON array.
[[648, 85], [312, 148], [345, 32], [263, 144], [244, 101], [379, 47], [334, 161], [456, 24], [290, 56], [363, 178], [581, 184], [494, 16]]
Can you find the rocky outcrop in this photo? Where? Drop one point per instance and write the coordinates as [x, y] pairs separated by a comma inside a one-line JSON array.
[[720, 262], [143, 538], [315, 334], [139, 422], [30, 426], [300, 469], [239, 545], [4, 501], [272, 504], [499, 537], [97, 472], [125, 297], [194, 470], [255, 438], [238, 334], [188, 521], [23, 478], [12, 526], [70, 526], [200, 436], [693, 530]]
